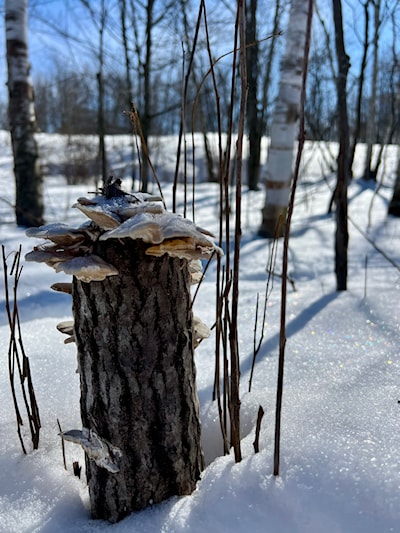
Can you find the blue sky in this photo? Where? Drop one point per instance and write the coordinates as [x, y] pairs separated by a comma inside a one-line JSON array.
[[48, 48]]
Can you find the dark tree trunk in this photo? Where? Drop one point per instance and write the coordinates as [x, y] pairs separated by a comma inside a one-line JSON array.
[[147, 95], [253, 119], [129, 88], [360, 90], [138, 393], [369, 173], [102, 155], [342, 235], [100, 112], [28, 180], [394, 205]]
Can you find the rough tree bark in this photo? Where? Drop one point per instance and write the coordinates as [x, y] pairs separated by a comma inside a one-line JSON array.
[[28, 180], [138, 391]]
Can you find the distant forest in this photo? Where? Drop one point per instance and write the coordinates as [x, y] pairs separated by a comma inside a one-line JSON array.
[[92, 59]]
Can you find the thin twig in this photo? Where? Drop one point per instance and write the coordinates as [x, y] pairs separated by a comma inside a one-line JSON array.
[[282, 336], [268, 290], [202, 278], [374, 245], [135, 121], [183, 108], [233, 331], [62, 445]]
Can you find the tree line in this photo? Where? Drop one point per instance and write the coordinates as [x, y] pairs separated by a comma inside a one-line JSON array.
[[169, 61], [137, 51]]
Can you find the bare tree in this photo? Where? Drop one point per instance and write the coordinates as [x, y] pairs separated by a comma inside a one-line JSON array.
[[371, 123], [253, 123], [388, 99], [28, 179], [145, 18], [128, 78], [360, 90], [100, 84], [259, 83], [342, 235], [147, 88]]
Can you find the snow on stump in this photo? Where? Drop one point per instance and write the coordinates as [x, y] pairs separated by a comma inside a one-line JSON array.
[[132, 268]]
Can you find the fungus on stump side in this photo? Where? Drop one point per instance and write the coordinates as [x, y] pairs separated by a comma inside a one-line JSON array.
[[132, 268]]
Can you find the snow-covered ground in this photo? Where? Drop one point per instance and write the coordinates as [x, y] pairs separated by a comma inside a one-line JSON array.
[[340, 447]]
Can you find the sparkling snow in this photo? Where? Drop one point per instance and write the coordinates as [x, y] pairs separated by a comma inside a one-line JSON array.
[[340, 446]]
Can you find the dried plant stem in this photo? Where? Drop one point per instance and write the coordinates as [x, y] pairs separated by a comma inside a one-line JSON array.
[[18, 362], [374, 245], [183, 112], [220, 335], [233, 332], [268, 290], [282, 335], [137, 128], [221, 375]]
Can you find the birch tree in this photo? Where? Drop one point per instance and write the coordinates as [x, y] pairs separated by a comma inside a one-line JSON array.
[[284, 127], [28, 180]]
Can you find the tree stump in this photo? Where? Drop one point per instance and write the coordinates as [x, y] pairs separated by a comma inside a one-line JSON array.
[[139, 403], [132, 267]]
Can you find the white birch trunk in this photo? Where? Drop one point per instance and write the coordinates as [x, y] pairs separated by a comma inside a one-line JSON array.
[[284, 127]]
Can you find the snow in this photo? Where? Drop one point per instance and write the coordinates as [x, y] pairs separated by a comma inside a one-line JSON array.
[[340, 445]]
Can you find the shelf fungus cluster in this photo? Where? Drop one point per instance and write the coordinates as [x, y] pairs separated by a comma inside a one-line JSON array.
[[134, 216], [132, 248]]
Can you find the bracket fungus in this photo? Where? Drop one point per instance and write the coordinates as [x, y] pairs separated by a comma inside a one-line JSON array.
[[67, 328], [201, 331], [62, 287], [126, 216], [102, 453], [132, 265]]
